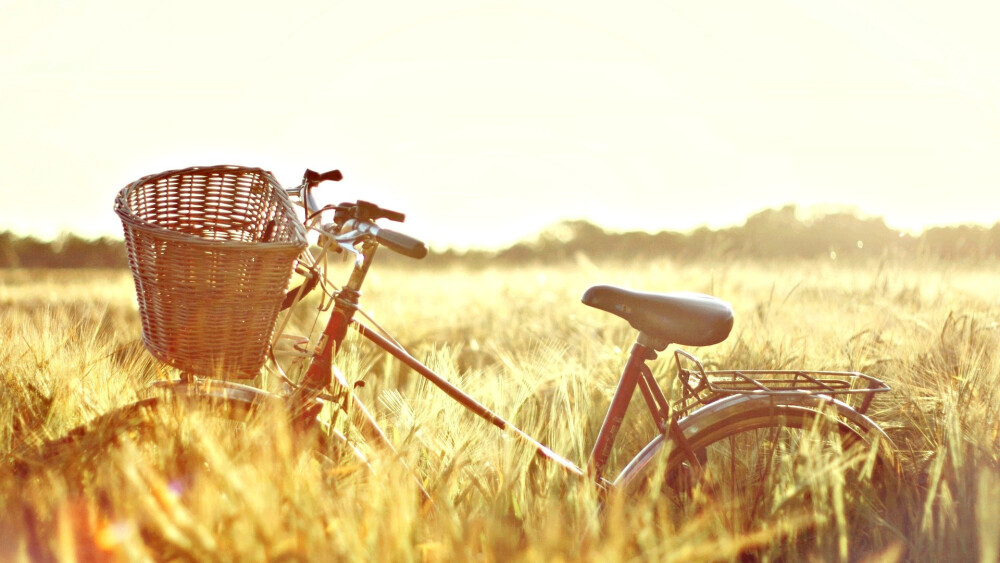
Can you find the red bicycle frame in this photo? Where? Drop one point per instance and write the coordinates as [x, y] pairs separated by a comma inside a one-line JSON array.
[[320, 375]]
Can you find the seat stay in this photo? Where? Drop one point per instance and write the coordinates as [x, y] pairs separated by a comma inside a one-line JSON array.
[[657, 403]]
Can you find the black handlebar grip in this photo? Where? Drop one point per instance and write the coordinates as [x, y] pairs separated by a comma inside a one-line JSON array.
[[313, 177], [403, 244], [334, 175]]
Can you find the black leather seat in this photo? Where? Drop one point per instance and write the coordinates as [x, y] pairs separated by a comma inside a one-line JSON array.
[[688, 319]]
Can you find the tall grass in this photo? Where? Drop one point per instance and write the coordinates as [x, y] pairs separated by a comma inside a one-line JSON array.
[[520, 342]]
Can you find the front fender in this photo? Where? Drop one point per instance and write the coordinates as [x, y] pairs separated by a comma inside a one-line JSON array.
[[249, 397]]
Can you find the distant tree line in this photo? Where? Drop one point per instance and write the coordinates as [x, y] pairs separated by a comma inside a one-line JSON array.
[[66, 251], [770, 234]]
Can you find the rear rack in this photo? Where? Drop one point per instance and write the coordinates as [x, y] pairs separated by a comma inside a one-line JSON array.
[[700, 387]]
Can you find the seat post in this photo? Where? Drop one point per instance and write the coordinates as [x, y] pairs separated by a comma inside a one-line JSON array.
[[650, 341], [619, 405]]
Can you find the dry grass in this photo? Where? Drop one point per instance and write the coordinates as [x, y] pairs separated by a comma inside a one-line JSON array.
[[521, 343]]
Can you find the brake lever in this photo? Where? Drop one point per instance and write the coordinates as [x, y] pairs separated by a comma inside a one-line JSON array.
[[367, 210], [340, 243], [359, 258]]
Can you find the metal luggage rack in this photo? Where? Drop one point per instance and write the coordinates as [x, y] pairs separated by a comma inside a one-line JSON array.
[[700, 387]]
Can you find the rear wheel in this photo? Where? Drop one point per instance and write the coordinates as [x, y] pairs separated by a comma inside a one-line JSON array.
[[795, 479]]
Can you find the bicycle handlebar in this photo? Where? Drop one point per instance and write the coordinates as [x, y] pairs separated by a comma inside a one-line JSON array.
[[357, 218]]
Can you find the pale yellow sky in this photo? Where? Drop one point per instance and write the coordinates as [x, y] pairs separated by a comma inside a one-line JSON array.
[[485, 121]]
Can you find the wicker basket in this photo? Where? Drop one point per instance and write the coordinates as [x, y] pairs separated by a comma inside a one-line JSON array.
[[211, 250]]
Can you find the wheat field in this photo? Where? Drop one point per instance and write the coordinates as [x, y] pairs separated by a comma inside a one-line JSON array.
[[520, 342]]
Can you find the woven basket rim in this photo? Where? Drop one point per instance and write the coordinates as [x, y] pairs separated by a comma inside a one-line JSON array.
[[128, 216]]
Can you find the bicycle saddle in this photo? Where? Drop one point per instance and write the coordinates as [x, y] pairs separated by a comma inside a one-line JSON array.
[[688, 319]]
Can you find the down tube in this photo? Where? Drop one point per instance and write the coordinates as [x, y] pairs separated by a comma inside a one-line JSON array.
[[466, 401]]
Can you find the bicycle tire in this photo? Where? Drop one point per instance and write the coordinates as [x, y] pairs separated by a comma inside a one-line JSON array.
[[759, 460], [179, 422]]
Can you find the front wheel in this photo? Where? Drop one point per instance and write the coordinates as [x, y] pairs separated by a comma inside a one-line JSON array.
[[798, 476], [182, 477], [179, 429]]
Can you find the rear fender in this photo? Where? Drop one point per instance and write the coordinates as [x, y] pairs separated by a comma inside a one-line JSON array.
[[724, 409]]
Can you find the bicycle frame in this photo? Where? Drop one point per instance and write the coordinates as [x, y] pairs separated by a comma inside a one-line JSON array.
[[674, 421], [320, 376]]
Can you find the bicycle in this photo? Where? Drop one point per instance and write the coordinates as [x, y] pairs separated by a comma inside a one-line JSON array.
[[726, 433]]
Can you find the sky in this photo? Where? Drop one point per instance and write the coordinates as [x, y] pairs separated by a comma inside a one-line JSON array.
[[487, 121]]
